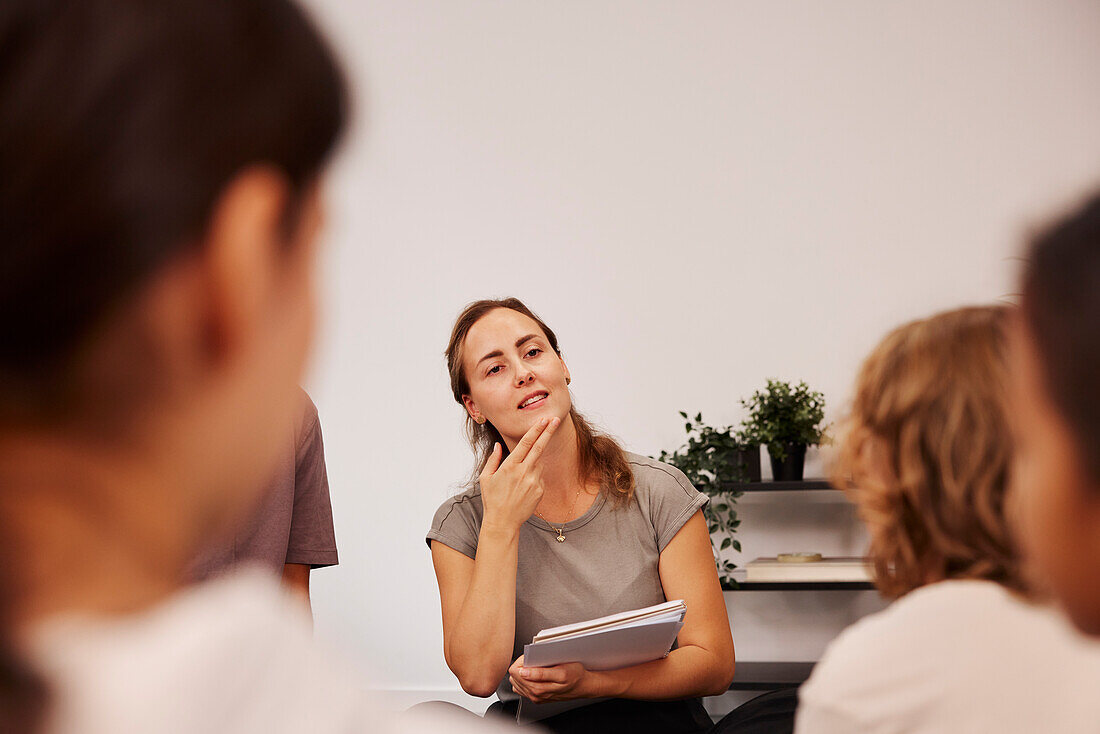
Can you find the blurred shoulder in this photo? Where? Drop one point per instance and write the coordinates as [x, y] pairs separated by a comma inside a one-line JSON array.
[[309, 408], [910, 644], [308, 420], [124, 674]]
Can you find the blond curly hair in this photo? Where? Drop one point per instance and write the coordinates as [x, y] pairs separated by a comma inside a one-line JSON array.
[[926, 452]]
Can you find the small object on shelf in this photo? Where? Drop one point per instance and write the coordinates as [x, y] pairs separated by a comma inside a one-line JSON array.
[[827, 569], [798, 557]]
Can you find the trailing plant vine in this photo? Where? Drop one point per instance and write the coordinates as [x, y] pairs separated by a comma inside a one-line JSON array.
[[711, 459]]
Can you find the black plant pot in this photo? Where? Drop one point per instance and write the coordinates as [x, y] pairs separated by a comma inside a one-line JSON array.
[[746, 465], [790, 468]]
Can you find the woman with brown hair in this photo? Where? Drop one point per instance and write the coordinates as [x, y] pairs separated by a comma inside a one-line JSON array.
[[562, 526], [926, 458]]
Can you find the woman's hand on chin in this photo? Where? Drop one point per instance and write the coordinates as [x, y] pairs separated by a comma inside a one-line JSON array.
[[555, 683], [510, 490]]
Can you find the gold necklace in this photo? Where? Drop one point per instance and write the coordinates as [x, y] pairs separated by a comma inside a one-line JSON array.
[[561, 536]]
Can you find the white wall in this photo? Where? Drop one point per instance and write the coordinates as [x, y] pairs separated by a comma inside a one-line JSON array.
[[696, 196]]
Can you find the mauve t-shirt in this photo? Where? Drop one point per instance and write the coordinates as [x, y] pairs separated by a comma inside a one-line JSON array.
[[293, 522], [607, 564]]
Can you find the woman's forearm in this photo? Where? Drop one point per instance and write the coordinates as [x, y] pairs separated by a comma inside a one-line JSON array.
[[687, 672], [479, 649]]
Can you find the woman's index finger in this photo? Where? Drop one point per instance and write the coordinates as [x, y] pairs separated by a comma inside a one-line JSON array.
[[519, 453], [540, 444]]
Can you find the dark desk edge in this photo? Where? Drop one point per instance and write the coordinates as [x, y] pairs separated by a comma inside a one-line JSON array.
[[767, 676]]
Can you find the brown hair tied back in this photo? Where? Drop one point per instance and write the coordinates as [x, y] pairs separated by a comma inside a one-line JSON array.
[[927, 452], [600, 455]]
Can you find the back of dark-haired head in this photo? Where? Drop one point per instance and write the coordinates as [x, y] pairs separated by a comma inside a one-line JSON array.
[[120, 123], [1061, 305]]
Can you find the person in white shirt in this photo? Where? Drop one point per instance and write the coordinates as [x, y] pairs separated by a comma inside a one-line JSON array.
[[159, 207], [927, 459]]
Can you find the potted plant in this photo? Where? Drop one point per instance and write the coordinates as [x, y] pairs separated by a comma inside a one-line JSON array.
[[713, 458], [786, 419]]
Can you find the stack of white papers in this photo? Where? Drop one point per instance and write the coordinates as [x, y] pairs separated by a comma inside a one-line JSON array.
[[827, 569], [616, 641]]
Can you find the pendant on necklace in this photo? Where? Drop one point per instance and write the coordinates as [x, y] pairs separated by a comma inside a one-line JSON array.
[[560, 538]]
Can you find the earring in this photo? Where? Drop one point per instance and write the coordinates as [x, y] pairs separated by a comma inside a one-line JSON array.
[[479, 420], [568, 380]]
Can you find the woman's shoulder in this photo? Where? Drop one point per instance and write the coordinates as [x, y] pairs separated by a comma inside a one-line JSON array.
[[664, 496], [457, 522], [655, 477], [203, 640], [916, 639], [242, 649], [466, 504], [923, 617], [962, 652]]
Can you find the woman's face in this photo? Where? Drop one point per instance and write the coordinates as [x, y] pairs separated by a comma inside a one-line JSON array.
[[1059, 510], [515, 377]]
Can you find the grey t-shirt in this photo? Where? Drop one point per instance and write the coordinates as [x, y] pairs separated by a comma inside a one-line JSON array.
[[608, 562], [293, 521]]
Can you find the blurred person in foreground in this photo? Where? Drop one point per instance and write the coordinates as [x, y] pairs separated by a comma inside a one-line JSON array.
[[1056, 351], [160, 179], [927, 459]]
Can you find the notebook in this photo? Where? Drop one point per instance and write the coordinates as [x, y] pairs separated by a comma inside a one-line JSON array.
[[615, 641]]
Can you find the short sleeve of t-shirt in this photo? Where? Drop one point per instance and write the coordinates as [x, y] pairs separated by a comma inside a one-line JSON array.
[[457, 522], [312, 539], [666, 495]]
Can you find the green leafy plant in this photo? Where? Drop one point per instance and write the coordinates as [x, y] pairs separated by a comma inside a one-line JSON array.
[[782, 415], [711, 459]]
